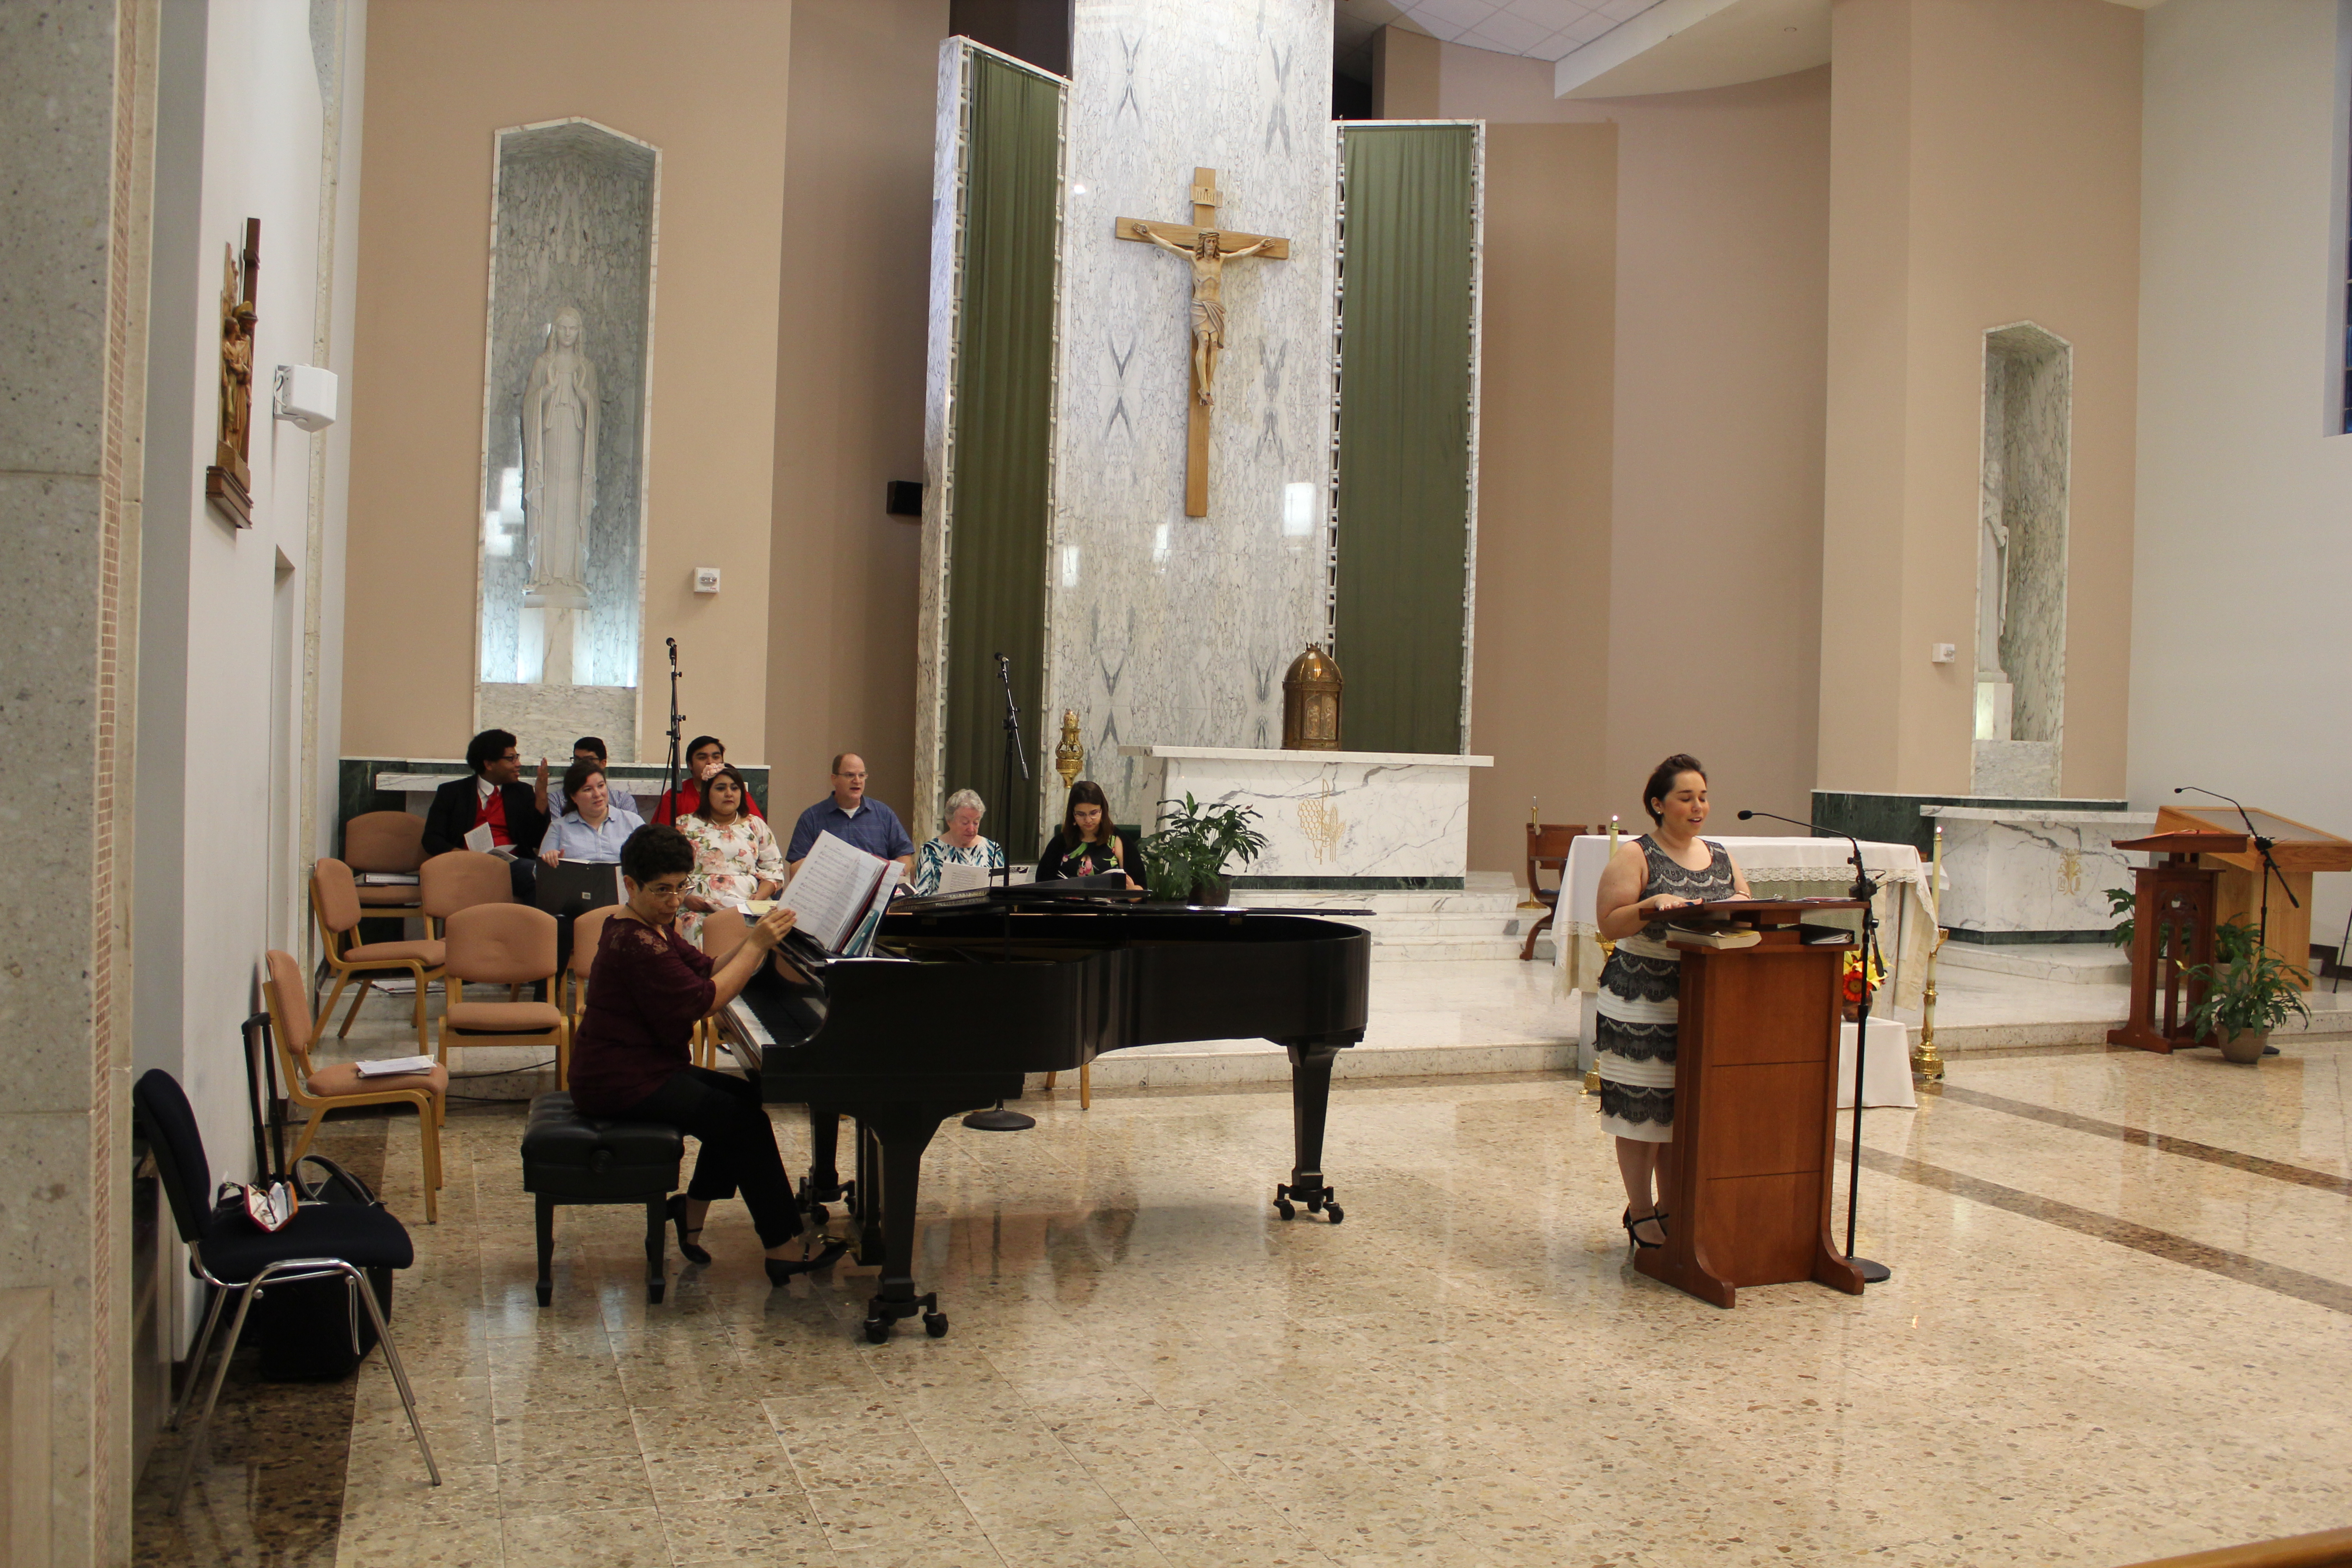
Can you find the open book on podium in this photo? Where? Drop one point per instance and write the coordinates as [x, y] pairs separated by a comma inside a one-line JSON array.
[[1755, 1099], [839, 894]]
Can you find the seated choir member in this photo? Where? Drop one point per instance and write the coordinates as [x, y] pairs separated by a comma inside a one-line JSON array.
[[705, 755], [850, 815], [599, 823], [735, 854], [959, 845], [590, 749], [1087, 844], [495, 797], [647, 991]]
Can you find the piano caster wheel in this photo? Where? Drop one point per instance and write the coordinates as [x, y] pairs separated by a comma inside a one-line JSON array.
[[1285, 1208], [1335, 1212], [935, 1324], [877, 1331], [818, 1217]]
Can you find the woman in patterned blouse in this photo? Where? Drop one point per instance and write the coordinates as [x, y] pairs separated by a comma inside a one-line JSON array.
[[961, 845], [1668, 869], [736, 858]]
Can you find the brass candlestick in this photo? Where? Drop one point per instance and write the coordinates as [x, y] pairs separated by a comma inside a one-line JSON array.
[[1925, 1062], [1070, 756], [1608, 951], [1531, 902]]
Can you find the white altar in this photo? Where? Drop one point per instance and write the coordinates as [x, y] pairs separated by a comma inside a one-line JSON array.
[[2021, 875], [1365, 819]]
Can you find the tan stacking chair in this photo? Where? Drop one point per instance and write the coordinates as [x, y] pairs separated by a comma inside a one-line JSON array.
[[587, 931], [322, 1090], [390, 841], [335, 899], [723, 931], [458, 880], [508, 944]]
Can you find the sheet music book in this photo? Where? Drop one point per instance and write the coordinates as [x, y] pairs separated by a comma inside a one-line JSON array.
[[956, 878], [834, 891], [478, 838], [393, 1066]]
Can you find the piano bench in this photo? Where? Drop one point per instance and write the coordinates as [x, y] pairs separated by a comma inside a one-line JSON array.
[[571, 1158]]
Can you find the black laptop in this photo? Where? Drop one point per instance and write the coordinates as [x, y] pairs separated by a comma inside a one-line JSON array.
[[565, 889]]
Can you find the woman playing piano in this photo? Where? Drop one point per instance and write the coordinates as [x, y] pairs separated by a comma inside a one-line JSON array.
[[646, 991], [1641, 987]]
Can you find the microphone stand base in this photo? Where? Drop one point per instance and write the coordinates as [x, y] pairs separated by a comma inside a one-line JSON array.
[[999, 1120], [1871, 1273]]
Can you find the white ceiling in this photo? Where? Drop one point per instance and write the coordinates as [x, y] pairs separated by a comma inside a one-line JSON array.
[[1541, 29]]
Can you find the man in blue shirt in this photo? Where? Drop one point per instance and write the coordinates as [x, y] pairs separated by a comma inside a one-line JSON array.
[[849, 816]]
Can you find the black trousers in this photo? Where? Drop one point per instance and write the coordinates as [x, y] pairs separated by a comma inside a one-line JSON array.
[[724, 1114]]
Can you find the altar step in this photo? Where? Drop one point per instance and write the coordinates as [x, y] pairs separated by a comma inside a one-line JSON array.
[[2073, 963], [1479, 921]]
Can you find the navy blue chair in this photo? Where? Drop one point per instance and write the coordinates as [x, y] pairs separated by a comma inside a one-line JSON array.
[[236, 1258]]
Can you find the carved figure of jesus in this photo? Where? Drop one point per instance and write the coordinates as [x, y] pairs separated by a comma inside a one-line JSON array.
[[1208, 265], [559, 452]]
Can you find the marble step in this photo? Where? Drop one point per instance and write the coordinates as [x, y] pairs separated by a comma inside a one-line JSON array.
[[1270, 1064], [2076, 964], [1445, 947]]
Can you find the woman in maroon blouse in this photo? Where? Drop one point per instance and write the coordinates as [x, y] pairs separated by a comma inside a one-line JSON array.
[[646, 991]]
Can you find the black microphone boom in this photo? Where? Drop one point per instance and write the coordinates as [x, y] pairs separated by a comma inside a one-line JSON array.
[[1865, 890]]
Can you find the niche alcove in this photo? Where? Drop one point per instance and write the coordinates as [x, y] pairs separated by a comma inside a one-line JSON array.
[[2022, 563]]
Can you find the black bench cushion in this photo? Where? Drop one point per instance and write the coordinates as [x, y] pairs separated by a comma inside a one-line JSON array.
[[572, 1155]]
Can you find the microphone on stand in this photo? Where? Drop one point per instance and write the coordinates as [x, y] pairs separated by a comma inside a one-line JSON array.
[[2262, 845], [1865, 890]]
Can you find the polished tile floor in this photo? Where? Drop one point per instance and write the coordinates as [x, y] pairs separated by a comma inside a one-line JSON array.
[[2120, 1326]]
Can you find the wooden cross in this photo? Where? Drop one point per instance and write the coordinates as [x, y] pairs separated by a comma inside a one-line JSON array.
[[1207, 248]]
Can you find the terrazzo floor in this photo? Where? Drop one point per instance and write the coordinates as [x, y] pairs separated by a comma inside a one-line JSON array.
[[2120, 1326]]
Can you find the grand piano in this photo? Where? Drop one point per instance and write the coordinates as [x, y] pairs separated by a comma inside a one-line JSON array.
[[967, 993]]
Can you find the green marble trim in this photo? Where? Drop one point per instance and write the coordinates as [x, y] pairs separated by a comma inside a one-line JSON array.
[[1347, 884], [2033, 938], [1896, 819]]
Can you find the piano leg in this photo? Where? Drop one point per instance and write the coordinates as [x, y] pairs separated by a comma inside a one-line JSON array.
[[898, 1136], [1310, 1100], [822, 1184]]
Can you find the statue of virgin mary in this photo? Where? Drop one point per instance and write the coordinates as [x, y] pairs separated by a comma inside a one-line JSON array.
[[559, 455]]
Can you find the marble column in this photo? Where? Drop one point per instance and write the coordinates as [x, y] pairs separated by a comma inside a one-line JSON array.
[[77, 134]]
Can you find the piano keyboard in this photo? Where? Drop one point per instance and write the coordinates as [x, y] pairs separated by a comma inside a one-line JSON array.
[[749, 1021]]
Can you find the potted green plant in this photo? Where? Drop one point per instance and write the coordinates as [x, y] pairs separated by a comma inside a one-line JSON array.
[[2248, 991], [1186, 858]]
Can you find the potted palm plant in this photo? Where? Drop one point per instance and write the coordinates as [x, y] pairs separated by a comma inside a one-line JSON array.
[[1186, 858], [2248, 991]]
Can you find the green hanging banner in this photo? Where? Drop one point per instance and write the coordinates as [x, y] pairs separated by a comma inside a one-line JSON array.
[[1408, 322], [996, 527]]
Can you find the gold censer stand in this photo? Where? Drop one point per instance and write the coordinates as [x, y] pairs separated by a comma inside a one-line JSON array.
[[1925, 1062]]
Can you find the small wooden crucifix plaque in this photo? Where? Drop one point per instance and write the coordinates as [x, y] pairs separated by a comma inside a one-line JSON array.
[[1207, 248]]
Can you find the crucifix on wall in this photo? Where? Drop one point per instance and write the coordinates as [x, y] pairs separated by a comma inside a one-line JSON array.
[[1207, 250]]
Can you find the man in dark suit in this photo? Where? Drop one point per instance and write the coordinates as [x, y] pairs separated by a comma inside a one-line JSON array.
[[495, 797]]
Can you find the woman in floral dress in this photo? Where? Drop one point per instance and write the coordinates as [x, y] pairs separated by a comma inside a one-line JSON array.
[[736, 858]]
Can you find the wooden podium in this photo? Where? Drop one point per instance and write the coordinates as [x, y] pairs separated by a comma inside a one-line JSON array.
[[1755, 1111], [2298, 848]]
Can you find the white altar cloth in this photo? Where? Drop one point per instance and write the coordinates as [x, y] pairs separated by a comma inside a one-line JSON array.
[[1906, 922], [1401, 815], [1886, 1076]]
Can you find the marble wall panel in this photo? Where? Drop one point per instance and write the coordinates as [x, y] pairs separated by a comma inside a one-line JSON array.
[[2031, 875], [573, 225], [1167, 629], [2027, 413], [547, 719], [1332, 819]]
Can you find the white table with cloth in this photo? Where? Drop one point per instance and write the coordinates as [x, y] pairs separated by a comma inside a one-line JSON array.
[[1774, 867]]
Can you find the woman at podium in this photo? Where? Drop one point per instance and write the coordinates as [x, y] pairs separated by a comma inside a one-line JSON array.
[[1641, 986]]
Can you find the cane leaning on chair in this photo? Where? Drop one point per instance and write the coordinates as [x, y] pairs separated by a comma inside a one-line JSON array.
[[511, 945], [322, 1090], [335, 898], [231, 1253]]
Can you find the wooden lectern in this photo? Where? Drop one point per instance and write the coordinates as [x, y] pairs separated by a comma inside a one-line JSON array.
[[2172, 926], [2298, 849], [1755, 1111]]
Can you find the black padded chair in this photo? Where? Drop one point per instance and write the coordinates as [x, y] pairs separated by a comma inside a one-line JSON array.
[[571, 1158], [233, 1255]]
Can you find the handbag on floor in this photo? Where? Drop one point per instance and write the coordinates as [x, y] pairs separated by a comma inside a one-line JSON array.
[[312, 1330]]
